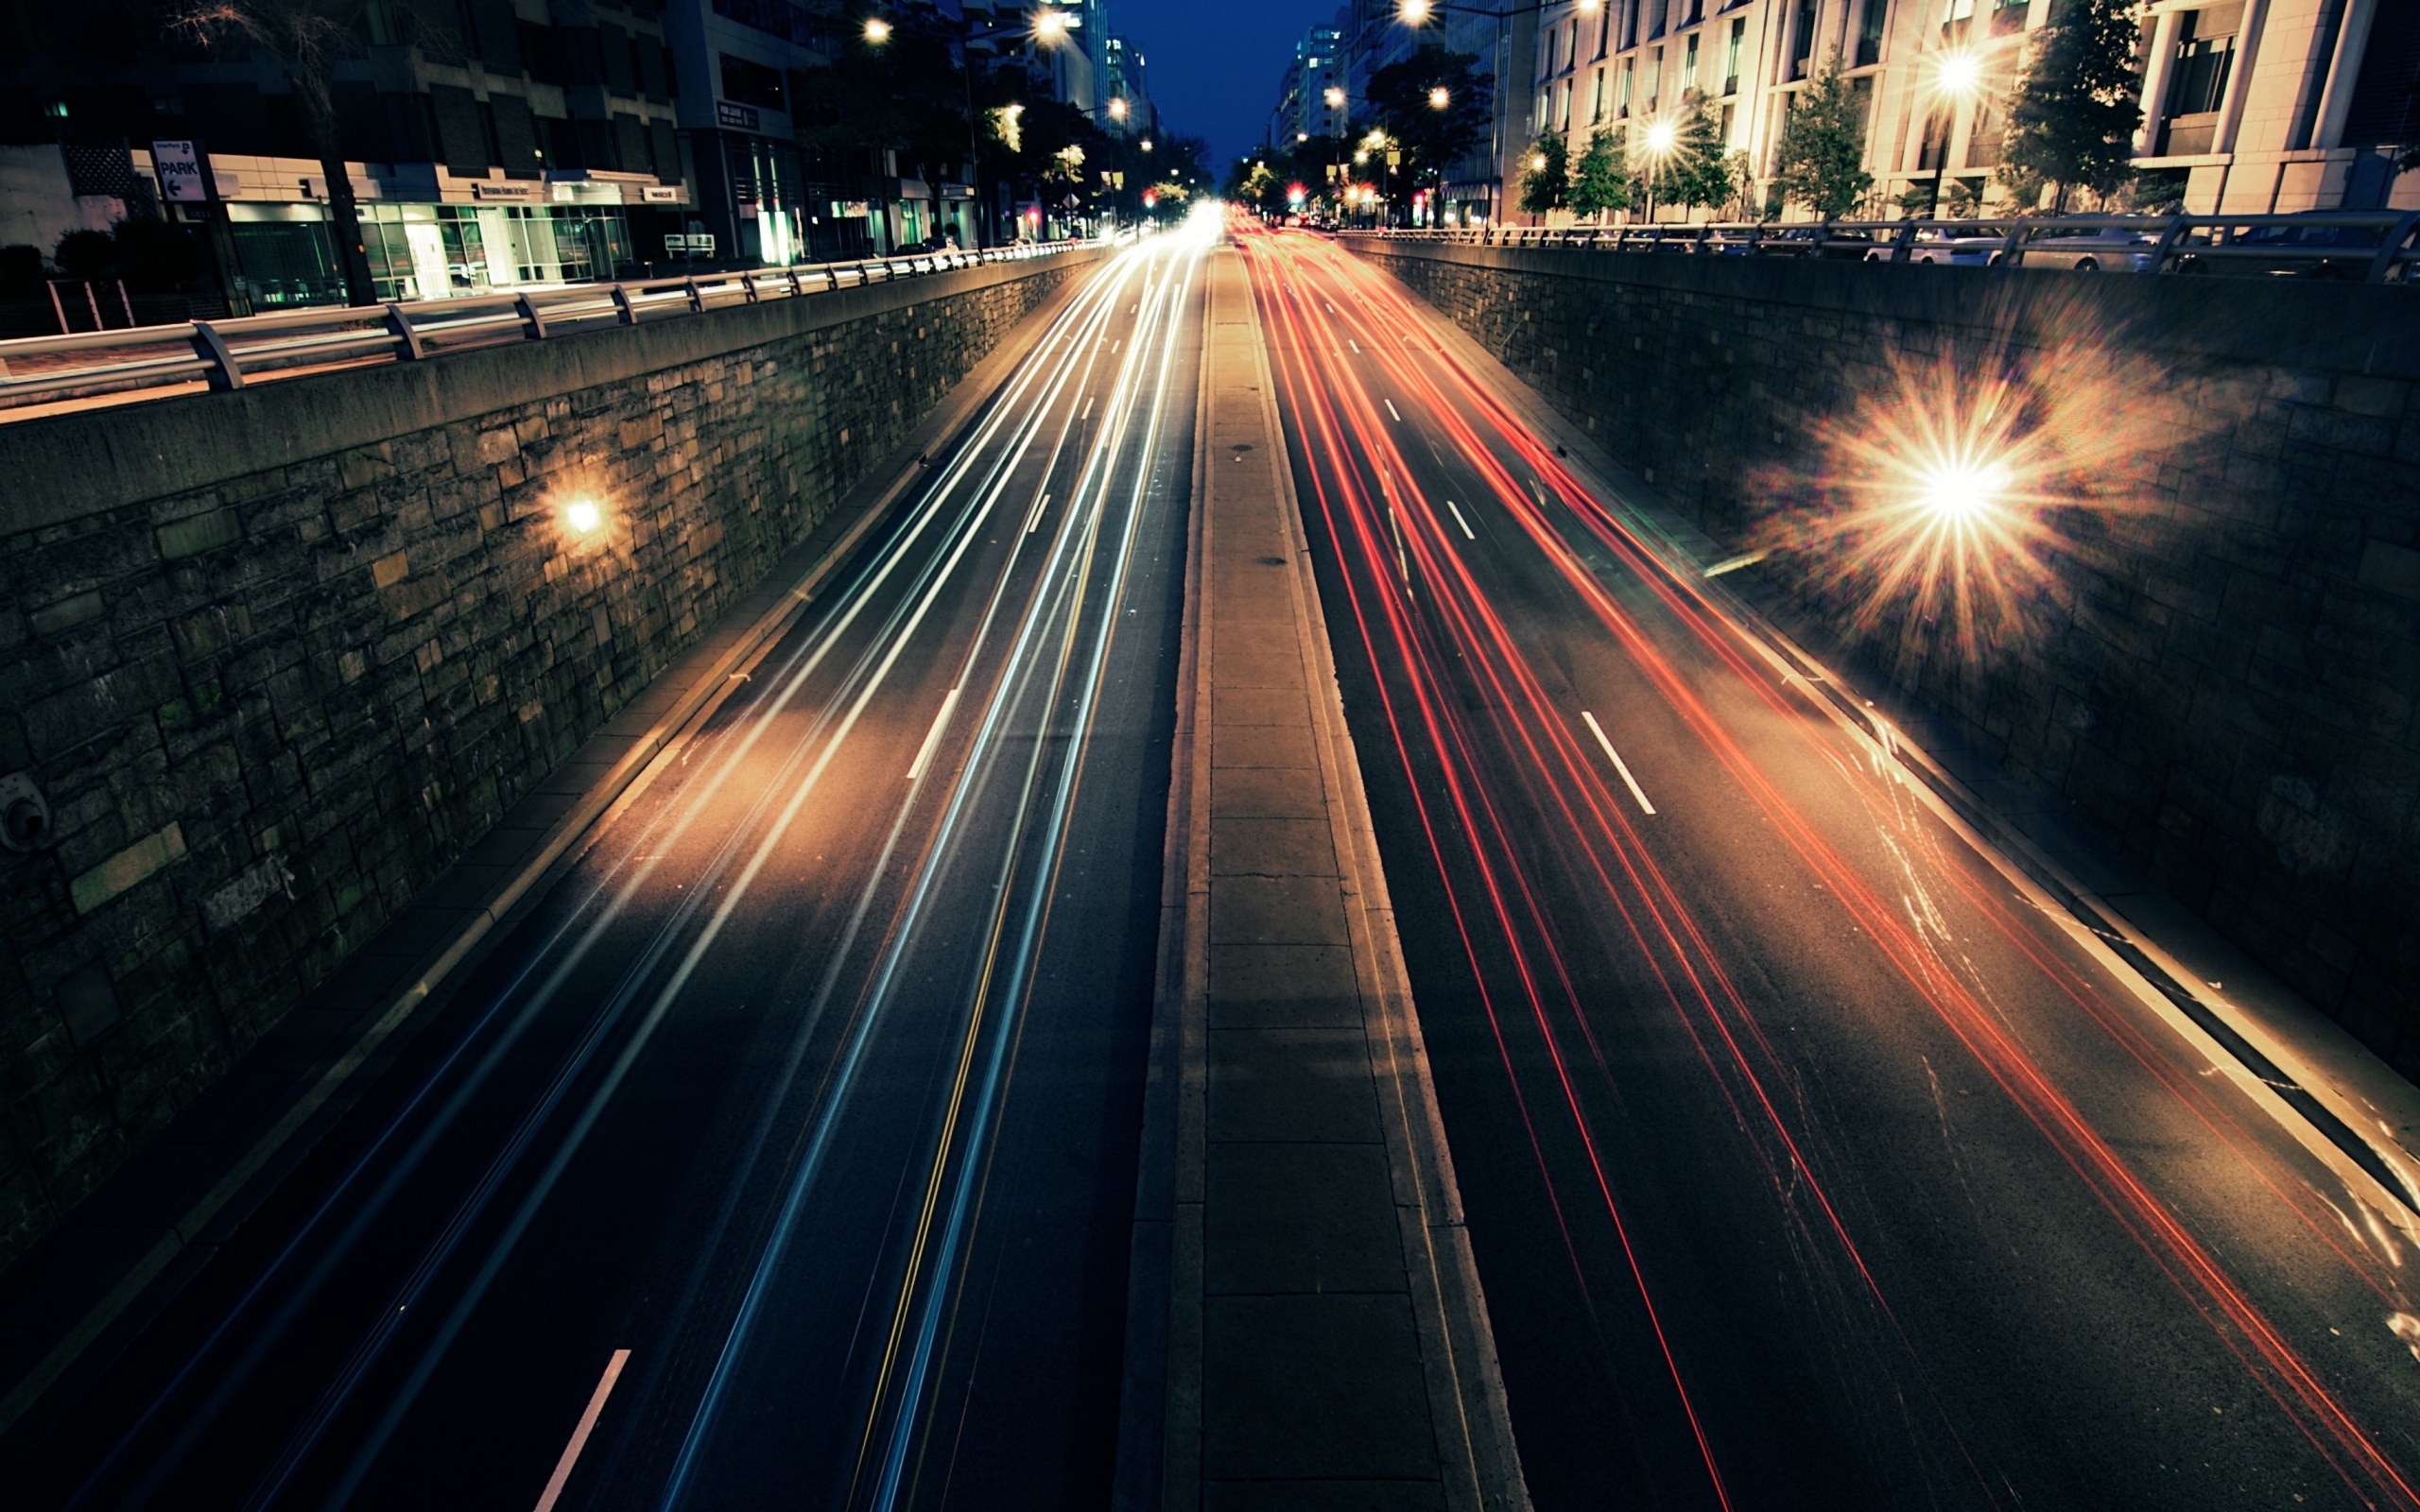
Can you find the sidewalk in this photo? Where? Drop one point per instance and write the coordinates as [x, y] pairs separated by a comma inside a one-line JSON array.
[[1306, 1327], [2345, 1104], [69, 1304]]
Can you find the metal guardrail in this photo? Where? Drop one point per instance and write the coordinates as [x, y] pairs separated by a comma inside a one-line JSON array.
[[229, 354], [2371, 247]]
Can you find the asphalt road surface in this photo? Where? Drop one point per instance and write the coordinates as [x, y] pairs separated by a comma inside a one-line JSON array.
[[1810, 1161], [798, 1126]]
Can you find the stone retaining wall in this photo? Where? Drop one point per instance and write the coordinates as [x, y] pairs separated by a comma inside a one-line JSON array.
[[2223, 663], [278, 657]]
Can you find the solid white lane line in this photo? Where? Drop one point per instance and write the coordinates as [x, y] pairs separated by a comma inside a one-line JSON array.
[[580, 1434], [1034, 523], [1628, 781], [1390, 408], [1459, 520], [941, 722]]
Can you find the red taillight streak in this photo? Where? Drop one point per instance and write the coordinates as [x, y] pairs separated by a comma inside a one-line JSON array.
[[2112, 1182]]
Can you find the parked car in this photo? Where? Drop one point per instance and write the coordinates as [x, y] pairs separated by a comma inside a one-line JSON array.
[[2115, 248], [1801, 241], [1941, 248], [2295, 250]]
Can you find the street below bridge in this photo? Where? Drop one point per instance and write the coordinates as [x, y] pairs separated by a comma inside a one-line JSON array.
[[784, 1153], [1811, 1155]]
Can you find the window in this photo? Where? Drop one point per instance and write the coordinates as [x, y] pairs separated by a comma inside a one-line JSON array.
[[749, 83], [1597, 103], [2197, 89], [1802, 43], [1731, 57], [775, 18], [1869, 32], [1689, 69], [1654, 77], [1622, 90]]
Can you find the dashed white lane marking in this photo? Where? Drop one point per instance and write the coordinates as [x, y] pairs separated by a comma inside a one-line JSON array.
[[1628, 781], [579, 1435], [933, 737], [1390, 408], [1088, 408], [1034, 523], [1459, 520], [1354, 345]]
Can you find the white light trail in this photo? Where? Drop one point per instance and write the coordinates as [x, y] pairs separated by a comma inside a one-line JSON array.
[[1615, 757]]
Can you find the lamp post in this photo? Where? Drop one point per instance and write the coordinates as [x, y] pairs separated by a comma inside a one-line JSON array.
[[1662, 137], [1957, 78]]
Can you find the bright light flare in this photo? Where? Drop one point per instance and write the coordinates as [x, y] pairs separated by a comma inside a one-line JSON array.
[[1335, 98], [584, 517], [1956, 73], [877, 30], [1960, 489], [1439, 98], [1050, 27], [1117, 109], [1663, 137], [1415, 12]]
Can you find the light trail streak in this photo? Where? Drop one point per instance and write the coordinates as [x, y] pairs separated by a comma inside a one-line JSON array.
[[956, 505], [962, 1129], [1459, 520], [1336, 425]]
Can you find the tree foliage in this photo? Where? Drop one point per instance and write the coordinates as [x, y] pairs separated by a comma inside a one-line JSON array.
[[1430, 139], [1820, 162], [1697, 171], [1600, 180], [2072, 117], [1547, 183]]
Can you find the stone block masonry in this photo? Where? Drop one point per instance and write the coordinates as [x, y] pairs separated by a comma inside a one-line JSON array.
[[278, 657], [2221, 670]]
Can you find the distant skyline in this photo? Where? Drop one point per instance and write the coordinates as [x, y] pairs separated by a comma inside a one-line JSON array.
[[1214, 67]]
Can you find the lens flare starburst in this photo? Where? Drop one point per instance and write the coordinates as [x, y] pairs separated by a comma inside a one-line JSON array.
[[1955, 499]]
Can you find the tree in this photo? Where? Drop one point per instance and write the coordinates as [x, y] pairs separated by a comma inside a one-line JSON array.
[[1696, 172], [1547, 184], [1601, 180], [1820, 162], [307, 37], [2072, 116], [1402, 103]]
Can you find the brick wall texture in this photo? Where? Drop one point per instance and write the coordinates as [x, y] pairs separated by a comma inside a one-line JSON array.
[[273, 699], [2219, 668]]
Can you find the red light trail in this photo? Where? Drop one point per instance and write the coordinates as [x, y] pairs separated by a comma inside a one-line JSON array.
[[1513, 801]]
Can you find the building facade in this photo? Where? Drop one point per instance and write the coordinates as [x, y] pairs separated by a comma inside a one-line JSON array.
[[487, 146], [2250, 106]]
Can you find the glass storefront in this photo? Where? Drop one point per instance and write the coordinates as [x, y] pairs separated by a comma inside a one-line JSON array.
[[420, 251]]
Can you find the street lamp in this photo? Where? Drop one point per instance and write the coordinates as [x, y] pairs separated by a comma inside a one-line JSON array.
[[1050, 27], [1957, 78], [877, 30], [1662, 138], [1439, 98], [1117, 109]]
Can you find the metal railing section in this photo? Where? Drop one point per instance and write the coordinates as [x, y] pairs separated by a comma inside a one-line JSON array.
[[226, 354], [2375, 247]]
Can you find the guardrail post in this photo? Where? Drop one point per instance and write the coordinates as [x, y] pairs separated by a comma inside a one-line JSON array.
[[2384, 263], [796, 288], [748, 286], [2012, 246], [697, 300], [537, 322], [208, 343], [623, 314], [1903, 241], [402, 325], [832, 272], [2177, 226]]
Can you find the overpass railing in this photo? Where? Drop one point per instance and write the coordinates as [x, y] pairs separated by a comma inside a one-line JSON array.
[[2375, 247], [226, 354]]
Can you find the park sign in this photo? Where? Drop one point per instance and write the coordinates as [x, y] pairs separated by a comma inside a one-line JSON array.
[[179, 166]]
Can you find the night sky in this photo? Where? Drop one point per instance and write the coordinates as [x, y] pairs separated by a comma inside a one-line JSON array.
[[1215, 64]]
